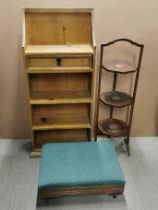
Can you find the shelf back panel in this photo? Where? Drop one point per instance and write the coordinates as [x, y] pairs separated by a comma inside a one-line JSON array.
[[58, 28], [60, 82], [60, 114]]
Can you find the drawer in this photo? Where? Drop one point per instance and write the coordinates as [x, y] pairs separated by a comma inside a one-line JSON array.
[[85, 61]]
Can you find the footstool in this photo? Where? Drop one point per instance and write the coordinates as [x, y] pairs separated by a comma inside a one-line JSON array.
[[79, 169]]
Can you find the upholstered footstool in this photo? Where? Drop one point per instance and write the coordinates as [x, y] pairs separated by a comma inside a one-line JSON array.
[[79, 169]]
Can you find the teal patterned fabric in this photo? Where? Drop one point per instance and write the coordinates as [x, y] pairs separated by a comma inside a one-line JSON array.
[[79, 164]]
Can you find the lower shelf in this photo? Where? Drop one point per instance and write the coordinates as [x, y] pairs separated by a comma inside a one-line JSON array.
[[61, 121], [57, 97], [113, 127], [52, 136], [61, 126], [60, 116]]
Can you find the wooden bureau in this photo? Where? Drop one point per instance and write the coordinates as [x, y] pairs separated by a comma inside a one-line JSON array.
[[59, 59]]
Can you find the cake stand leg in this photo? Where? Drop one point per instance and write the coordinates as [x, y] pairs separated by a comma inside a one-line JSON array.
[[126, 140]]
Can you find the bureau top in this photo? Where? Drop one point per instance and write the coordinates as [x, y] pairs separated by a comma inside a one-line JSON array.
[[57, 27], [59, 49], [58, 10]]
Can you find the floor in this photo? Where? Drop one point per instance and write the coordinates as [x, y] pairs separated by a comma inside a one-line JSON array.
[[19, 175]]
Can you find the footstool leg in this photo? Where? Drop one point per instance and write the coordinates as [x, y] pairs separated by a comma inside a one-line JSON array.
[[47, 200], [114, 196], [126, 140]]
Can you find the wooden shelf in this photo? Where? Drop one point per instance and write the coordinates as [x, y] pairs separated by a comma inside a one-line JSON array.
[[60, 101], [60, 116], [63, 118], [58, 88], [116, 99], [60, 97], [61, 126], [67, 135], [113, 127], [57, 116], [59, 49], [52, 70], [119, 66]]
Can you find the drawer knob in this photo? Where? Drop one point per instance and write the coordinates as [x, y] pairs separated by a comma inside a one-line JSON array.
[[58, 61]]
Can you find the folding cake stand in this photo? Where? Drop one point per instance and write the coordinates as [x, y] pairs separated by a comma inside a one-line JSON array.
[[111, 126]]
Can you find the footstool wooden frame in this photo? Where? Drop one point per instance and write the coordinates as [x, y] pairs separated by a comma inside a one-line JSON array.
[[51, 186]]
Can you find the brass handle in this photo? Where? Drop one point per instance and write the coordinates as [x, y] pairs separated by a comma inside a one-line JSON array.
[[58, 61]]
